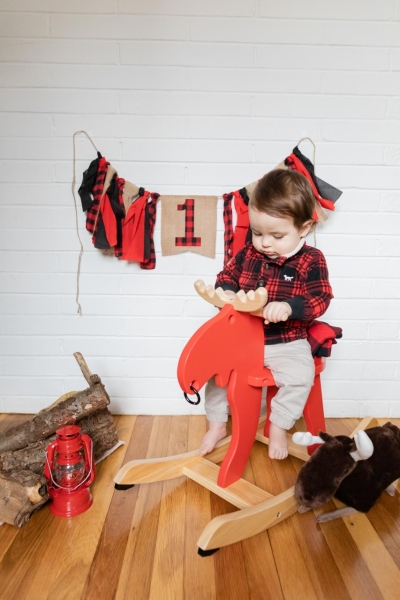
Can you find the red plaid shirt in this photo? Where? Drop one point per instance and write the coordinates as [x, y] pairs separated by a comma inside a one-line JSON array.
[[300, 280]]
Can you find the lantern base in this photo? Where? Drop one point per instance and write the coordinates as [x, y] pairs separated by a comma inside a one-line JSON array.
[[70, 504]]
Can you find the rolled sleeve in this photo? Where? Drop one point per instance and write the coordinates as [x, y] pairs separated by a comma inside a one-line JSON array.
[[317, 295]]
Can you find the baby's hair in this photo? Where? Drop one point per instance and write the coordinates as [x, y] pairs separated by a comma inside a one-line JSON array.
[[284, 193]]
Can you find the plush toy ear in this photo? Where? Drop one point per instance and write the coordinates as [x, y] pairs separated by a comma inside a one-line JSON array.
[[352, 447], [326, 436]]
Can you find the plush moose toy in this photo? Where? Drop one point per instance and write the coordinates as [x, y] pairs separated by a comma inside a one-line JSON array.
[[356, 471]]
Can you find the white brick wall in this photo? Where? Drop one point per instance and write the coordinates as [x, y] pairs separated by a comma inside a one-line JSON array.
[[191, 96]]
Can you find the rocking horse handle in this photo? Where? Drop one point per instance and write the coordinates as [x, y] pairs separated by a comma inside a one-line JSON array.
[[253, 302]]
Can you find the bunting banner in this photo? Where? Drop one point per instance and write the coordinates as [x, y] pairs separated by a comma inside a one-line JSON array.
[[188, 224], [121, 216]]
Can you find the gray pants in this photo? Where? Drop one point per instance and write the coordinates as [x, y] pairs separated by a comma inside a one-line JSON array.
[[292, 367]]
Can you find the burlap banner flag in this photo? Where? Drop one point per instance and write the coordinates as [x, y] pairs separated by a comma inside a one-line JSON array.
[[188, 224]]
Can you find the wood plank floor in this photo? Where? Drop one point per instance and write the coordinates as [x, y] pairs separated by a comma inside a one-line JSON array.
[[141, 543]]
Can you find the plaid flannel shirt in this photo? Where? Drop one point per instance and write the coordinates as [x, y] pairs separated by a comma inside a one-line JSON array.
[[300, 280]]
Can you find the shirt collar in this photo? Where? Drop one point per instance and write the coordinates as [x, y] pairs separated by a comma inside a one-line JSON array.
[[295, 251], [282, 259]]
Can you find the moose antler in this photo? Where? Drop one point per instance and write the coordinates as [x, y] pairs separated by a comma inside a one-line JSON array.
[[251, 302]]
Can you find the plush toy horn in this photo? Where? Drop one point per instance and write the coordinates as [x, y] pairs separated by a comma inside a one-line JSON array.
[[305, 438], [364, 445]]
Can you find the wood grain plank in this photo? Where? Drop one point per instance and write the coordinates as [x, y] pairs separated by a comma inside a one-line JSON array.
[[28, 552], [230, 582], [123, 555], [12, 420], [198, 572], [115, 533], [324, 573], [351, 564], [73, 541], [4, 422], [8, 533], [84, 539], [340, 426], [167, 573], [241, 494], [18, 546], [378, 560], [168, 467], [138, 560], [291, 565], [39, 541], [385, 519], [260, 565], [230, 569], [237, 526], [353, 569]]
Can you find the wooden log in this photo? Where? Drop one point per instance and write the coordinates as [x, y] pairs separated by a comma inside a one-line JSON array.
[[99, 426], [23, 488], [86, 372], [45, 422], [21, 494]]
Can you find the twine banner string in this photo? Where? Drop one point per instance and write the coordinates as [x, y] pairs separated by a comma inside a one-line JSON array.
[[79, 309]]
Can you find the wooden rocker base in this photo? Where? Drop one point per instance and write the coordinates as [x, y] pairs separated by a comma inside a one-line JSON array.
[[259, 510]]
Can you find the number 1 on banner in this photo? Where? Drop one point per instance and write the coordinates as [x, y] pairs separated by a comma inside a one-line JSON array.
[[189, 239]]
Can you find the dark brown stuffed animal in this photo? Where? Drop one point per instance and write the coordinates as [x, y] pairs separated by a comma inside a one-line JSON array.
[[344, 467]]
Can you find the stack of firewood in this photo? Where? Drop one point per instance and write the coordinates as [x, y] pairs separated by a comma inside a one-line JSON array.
[[23, 488]]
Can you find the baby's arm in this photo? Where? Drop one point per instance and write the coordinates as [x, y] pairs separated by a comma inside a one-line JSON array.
[[228, 278], [317, 295]]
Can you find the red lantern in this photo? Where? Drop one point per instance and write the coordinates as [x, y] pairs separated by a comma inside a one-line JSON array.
[[70, 470]]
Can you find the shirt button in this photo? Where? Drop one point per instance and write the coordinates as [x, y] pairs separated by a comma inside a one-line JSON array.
[[261, 283]]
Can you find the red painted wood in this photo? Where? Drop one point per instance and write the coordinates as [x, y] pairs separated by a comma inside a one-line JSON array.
[[231, 347]]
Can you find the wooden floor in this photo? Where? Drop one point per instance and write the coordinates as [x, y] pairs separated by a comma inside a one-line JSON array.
[[141, 543]]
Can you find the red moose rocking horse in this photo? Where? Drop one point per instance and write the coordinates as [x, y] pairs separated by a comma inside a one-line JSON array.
[[231, 346]]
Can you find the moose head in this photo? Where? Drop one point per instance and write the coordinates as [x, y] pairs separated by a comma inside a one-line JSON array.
[[219, 345], [337, 457], [228, 346]]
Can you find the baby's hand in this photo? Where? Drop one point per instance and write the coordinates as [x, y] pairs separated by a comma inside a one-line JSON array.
[[276, 311]]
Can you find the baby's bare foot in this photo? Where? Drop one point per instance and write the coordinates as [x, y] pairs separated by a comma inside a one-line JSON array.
[[277, 447], [215, 433]]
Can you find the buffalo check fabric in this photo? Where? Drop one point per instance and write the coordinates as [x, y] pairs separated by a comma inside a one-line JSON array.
[[300, 280]]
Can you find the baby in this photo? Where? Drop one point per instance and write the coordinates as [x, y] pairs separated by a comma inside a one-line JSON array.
[[296, 276]]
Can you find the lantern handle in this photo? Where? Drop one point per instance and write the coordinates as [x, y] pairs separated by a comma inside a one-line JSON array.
[[88, 445], [49, 459], [83, 480]]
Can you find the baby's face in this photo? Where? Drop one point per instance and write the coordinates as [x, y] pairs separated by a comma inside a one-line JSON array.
[[275, 236]]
